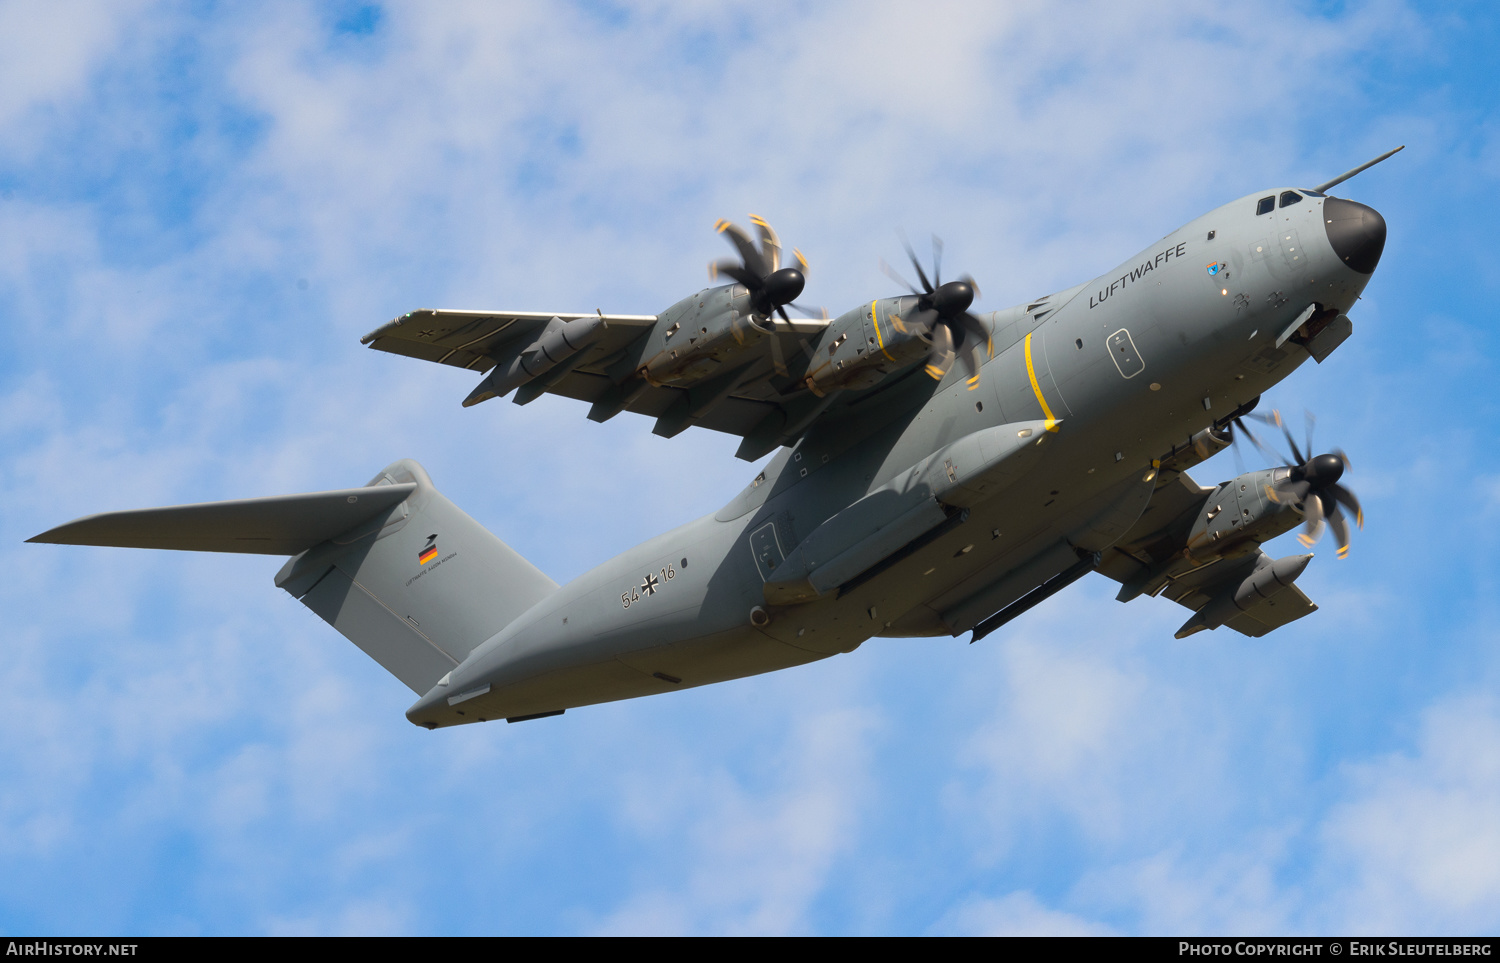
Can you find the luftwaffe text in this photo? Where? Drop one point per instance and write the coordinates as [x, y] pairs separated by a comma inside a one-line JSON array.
[[1118, 284]]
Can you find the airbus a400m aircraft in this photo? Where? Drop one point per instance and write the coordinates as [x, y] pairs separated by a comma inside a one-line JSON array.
[[939, 471]]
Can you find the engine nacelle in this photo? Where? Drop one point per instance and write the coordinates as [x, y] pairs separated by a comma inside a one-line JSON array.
[[704, 333], [864, 345], [1238, 515]]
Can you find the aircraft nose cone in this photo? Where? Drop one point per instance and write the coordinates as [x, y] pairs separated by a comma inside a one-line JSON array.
[[1356, 232]]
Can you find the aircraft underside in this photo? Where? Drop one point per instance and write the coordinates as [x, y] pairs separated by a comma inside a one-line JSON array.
[[939, 472]]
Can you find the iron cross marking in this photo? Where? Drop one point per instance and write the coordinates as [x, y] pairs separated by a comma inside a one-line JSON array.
[[648, 587]]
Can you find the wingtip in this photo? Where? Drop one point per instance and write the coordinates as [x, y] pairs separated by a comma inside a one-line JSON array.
[[1192, 628]]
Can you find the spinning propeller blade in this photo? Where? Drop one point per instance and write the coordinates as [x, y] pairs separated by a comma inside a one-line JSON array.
[[942, 317], [1312, 488], [771, 286]]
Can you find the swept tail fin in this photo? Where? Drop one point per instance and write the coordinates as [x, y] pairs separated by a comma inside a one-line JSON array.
[[419, 590], [395, 567]]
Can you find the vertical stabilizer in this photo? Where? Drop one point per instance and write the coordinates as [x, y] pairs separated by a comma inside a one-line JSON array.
[[419, 587]]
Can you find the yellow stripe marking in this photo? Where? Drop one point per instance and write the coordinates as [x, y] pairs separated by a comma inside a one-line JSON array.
[[1031, 372], [875, 321]]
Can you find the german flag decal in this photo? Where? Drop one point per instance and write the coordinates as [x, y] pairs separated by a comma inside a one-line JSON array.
[[430, 552]]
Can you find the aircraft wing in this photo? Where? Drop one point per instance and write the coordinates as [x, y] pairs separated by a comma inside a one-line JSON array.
[[473, 339], [1151, 558], [1198, 588], [738, 401]]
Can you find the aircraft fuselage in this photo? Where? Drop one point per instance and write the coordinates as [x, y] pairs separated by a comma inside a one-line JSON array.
[[1115, 374]]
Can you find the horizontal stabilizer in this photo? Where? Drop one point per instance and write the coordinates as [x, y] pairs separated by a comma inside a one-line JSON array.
[[279, 525]]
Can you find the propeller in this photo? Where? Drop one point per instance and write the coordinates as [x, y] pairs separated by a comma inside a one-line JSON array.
[[1230, 432], [771, 286], [1312, 488], [942, 317]]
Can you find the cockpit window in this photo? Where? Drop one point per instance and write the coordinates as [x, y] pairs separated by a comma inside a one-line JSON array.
[[1266, 205], [1308, 193], [1288, 198]]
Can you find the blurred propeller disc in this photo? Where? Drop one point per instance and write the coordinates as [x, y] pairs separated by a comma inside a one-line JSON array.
[[1312, 487], [942, 317], [771, 286]]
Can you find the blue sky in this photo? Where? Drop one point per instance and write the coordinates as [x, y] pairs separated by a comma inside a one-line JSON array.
[[203, 207]]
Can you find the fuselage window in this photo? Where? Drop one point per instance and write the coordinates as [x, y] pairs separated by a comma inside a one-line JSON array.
[[1289, 198], [1266, 205]]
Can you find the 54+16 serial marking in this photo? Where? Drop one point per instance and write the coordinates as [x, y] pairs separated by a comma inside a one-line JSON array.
[[649, 586]]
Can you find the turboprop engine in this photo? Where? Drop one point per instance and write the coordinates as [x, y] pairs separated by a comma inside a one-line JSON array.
[[713, 328], [864, 345], [1234, 519], [704, 333], [1264, 504]]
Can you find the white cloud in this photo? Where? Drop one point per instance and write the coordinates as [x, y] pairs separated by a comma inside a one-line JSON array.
[[534, 157], [756, 859], [1407, 843], [1061, 734], [1015, 914], [52, 50], [1418, 839]]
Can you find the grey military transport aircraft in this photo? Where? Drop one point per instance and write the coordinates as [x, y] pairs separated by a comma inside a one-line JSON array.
[[939, 472]]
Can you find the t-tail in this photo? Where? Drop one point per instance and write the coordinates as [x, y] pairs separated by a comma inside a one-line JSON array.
[[397, 568]]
